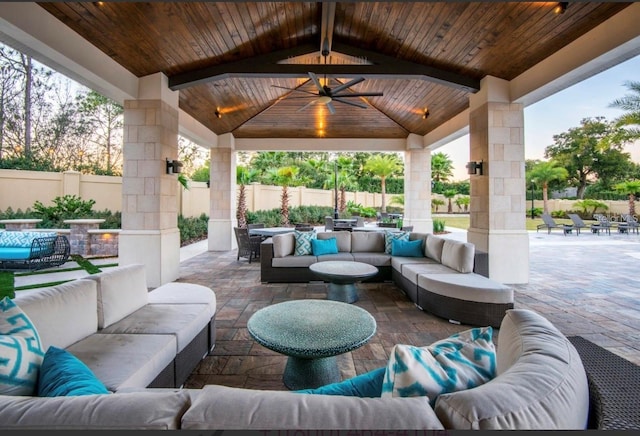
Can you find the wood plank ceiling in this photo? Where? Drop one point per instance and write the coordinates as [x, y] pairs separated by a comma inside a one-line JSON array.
[[236, 57]]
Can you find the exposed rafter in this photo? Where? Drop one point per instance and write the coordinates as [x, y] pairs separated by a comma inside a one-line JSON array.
[[326, 28], [265, 66]]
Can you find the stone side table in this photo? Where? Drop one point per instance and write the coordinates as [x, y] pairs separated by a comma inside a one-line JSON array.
[[342, 277], [311, 333]]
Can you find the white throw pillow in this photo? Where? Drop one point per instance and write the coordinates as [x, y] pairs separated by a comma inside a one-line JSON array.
[[303, 242], [462, 361]]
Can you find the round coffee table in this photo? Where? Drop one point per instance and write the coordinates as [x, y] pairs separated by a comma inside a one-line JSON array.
[[311, 333], [342, 277]]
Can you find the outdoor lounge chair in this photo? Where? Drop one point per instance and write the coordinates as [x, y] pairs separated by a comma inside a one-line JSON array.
[[632, 222], [577, 222], [248, 246], [549, 223], [603, 224]]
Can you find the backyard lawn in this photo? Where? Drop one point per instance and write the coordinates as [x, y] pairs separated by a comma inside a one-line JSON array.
[[462, 221]]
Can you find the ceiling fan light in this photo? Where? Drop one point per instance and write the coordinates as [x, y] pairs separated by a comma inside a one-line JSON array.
[[324, 99]]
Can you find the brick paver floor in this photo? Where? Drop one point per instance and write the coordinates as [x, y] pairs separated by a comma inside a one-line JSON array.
[[587, 285]]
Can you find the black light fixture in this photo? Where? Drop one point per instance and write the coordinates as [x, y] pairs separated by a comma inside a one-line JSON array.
[[474, 167], [336, 215], [174, 166], [217, 113], [425, 113], [560, 8]]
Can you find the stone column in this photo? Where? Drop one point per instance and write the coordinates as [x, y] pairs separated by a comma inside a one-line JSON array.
[[417, 186], [18, 225], [79, 238], [498, 202], [222, 216], [150, 234]]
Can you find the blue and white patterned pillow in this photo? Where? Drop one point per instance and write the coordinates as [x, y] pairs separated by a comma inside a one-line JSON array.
[[20, 350], [462, 361], [389, 237], [303, 242]]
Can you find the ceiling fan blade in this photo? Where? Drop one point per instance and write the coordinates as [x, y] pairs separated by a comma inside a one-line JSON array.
[[358, 94], [294, 90], [307, 105], [329, 106], [352, 103], [346, 85], [316, 82]]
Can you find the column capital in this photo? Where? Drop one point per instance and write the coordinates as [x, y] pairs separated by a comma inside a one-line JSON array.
[[156, 87], [492, 89]]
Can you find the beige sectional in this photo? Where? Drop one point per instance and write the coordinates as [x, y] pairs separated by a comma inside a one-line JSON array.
[[540, 384], [129, 337], [449, 280]]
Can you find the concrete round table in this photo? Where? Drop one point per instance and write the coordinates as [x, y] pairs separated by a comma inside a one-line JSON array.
[[311, 333], [342, 277]]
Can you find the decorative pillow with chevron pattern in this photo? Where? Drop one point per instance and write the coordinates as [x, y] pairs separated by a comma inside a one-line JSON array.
[[462, 361], [389, 237], [20, 351], [303, 242]]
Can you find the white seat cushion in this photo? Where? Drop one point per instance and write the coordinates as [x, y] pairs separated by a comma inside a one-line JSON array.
[[184, 293], [468, 287]]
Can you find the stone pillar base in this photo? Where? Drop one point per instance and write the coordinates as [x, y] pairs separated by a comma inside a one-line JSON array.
[[158, 250], [419, 225], [508, 254], [221, 236]]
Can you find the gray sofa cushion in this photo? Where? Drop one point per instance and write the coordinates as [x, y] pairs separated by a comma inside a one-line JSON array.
[[63, 314], [184, 293], [293, 261], [184, 321], [125, 360], [411, 271], [458, 255], [398, 261], [121, 291], [337, 256], [541, 383], [433, 247], [283, 245], [468, 287], [131, 411], [221, 407], [367, 242], [375, 259]]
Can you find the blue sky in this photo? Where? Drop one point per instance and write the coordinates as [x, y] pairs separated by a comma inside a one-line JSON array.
[[562, 111]]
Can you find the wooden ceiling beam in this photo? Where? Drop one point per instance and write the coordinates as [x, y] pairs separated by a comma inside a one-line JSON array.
[[326, 29], [267, 66]]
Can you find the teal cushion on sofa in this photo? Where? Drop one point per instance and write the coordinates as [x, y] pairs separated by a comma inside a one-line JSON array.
[[62, 374], [407, 248], [389, 237], [364, 385], [324, 246]]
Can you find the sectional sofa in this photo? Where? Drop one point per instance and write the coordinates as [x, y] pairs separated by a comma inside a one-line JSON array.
[[448, 278], [128, 336], [540, 384]]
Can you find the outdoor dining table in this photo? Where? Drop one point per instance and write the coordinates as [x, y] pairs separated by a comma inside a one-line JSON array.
[[270, 231]]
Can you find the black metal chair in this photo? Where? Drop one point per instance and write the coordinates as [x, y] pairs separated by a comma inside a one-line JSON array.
[[303, 227], [328, 224], [248, 246]]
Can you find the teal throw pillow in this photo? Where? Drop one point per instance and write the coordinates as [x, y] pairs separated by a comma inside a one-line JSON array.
[[62, 374], [324, 246], [20, 351], [364, 385], [303, 242], [389, 237], [407, 248], [462, 361]]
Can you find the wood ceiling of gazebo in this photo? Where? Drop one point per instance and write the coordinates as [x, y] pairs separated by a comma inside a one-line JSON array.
[[227, 56]]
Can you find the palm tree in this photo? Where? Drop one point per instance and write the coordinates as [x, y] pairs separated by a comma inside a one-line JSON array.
[[383, 166], [441, 167], [285, 177], [244, 176], [630, 188], [436, 203], [449, 194], [463, 202], [631, 104], [543, 173]]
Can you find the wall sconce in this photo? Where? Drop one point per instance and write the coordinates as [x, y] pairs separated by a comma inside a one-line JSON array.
[[474, 167], [217, 113], [174, 166], [425, 114], [560, 8]]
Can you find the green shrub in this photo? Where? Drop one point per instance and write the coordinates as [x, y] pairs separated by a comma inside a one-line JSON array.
[[559, 214], [193, 229], [537, 211], [438, 226]]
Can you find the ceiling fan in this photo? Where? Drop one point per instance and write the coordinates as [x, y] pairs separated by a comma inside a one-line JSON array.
[[328, 95]]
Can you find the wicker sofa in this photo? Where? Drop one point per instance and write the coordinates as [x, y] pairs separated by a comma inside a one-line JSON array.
[[32, 250], [540, 384], [450, 278]]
